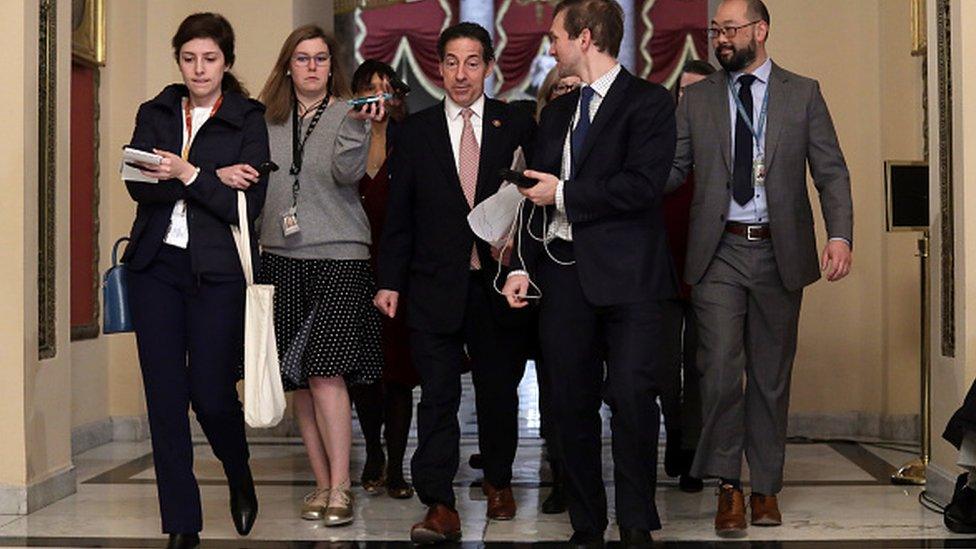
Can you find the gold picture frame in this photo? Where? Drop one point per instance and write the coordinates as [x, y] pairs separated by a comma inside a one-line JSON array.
[[88, 31], [919, 29]]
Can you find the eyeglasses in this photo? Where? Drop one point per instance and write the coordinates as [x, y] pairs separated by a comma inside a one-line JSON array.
[[306, 60], [729, 32]]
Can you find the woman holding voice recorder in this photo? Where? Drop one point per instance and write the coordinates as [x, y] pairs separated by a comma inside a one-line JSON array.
[[186, 286], [315, 240]]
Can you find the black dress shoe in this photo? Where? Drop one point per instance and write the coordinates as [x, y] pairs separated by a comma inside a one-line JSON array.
[[588, 540], [672, 453], [183, 541], [555, 502], [690, 484], [243, 504], [635, 537], [960, 514]]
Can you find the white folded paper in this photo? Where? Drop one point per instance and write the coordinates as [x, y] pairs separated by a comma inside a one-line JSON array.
[[492, 220]]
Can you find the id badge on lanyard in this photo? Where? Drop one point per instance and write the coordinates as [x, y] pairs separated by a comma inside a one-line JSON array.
[[289, 219]]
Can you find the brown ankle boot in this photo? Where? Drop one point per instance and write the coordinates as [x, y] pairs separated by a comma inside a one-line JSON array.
[[730, 520]]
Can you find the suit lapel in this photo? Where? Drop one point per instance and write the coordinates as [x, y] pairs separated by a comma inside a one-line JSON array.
[[491, 133], [779, 94], [440, 139], [719, 99], [615, 97]]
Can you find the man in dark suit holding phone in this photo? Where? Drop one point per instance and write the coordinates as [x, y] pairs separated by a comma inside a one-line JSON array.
[[448, 160], [597, 250]]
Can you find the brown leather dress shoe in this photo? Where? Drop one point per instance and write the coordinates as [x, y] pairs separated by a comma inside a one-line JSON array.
[[730, 520], [765, 510], [501, 502], [441, 524]]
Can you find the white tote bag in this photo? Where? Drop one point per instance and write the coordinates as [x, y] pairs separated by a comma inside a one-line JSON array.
[[264, 396]]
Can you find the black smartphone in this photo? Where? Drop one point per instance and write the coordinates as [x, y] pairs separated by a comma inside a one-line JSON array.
[[518, 178], [400, 88], [266, 168]]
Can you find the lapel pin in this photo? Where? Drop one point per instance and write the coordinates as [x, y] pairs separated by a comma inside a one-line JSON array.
[[497, 123]]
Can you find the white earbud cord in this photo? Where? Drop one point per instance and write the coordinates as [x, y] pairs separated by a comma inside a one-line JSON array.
[[516, 224]]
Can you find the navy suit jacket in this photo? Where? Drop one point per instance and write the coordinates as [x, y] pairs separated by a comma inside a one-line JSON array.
[[237, 133], [614, 201]]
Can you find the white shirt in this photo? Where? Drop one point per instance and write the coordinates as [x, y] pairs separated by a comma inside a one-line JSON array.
[[755, 211], [178, 233], [455, 124], [560, 226]]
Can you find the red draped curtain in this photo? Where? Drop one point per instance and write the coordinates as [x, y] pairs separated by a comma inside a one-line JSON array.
[[520, 32], [669, 32], [407, 30]]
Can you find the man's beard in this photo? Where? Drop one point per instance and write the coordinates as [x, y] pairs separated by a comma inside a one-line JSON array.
[[740, 59]]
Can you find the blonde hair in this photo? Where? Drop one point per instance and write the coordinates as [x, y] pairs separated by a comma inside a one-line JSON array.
[[545, 90], [278, 93]]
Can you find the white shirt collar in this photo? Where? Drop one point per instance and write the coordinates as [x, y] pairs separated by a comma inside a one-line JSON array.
[[453, 110], [761, 73], [602, 84]]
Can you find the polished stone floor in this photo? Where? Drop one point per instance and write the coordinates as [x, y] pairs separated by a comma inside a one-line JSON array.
[[836, 495]]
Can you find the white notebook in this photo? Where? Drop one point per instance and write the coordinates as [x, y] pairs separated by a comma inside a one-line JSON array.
[[130, 173]]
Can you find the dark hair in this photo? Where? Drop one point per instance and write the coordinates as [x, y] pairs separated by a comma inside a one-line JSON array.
[[362, 78], [697, 66], [604, 18], [278, 92], [757, 10], [473, 31], [215, 27]]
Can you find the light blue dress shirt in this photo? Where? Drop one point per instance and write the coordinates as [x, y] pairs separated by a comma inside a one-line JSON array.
[[755, 211]]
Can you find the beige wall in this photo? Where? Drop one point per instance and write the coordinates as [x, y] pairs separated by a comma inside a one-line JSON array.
[[34, 393], [952, 377], [20, 130], [858, 338]]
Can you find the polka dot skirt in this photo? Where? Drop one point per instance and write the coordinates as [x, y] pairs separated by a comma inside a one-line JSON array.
[[325, 321]]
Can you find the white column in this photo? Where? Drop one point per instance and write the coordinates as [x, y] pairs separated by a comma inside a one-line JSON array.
[[628, 47], [481, 12]]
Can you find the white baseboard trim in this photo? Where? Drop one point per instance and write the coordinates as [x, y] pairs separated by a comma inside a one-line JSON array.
[[21, 500], [901, 427], [130, 428], [91, 435]]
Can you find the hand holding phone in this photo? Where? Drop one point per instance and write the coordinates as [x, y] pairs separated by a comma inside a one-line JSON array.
[[518, 178], [266, 168], [360, 102]]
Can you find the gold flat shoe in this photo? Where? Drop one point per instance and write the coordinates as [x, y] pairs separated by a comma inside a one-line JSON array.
[[339, 512], [315, 503]]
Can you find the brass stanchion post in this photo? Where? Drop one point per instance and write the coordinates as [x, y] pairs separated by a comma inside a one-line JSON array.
[[913, 472]]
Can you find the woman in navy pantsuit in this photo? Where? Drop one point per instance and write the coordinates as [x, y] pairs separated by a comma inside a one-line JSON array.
[[186, 287]]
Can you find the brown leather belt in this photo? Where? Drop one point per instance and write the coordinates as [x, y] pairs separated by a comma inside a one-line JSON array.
[[751, 232]]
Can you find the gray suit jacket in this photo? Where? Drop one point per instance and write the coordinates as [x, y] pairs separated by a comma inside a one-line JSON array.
[[799, 132]]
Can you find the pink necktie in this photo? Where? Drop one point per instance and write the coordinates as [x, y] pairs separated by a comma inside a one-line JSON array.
[[470, 157]]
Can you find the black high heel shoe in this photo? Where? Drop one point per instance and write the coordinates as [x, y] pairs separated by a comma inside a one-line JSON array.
[[243, 504], [183, 541]]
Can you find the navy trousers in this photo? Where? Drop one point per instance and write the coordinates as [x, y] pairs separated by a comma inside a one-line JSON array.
[[190, 335]]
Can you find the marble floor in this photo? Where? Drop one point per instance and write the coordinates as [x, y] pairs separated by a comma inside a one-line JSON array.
[[837, 494]]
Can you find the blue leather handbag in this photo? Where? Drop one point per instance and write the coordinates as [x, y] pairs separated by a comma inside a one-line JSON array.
[[115, 296]]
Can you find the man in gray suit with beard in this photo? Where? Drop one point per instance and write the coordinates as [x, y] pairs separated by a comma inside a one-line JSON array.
[[749, 132]]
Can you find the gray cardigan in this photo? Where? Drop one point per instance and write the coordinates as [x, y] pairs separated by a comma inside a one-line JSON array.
[[330, 214]]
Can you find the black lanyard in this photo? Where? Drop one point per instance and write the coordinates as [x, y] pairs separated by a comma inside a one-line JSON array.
[[298, 145]]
